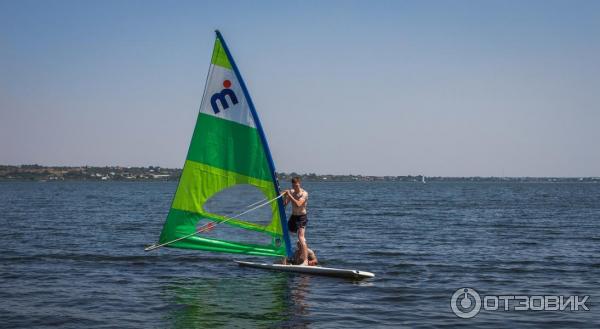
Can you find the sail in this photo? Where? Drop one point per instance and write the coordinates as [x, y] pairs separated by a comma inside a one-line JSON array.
[[228, 148]]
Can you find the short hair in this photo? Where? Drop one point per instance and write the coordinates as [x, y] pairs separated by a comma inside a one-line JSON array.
[[296, 180]]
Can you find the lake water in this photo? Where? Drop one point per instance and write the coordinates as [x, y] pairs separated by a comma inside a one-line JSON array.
[[72, 256]]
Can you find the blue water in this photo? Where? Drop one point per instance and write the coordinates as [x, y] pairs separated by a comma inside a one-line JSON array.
[[72, 256]]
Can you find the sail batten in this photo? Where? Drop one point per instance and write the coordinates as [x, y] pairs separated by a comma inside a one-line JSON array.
[[228, 148]]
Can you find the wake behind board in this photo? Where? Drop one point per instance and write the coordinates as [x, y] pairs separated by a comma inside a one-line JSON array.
[[316, 270]]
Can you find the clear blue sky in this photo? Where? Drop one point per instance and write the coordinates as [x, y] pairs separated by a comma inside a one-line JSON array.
[[451, 88]]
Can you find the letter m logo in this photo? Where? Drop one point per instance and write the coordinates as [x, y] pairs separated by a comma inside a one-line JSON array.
[[221, 98]]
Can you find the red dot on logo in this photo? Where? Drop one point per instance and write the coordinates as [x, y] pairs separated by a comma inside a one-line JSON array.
[[226, 83]]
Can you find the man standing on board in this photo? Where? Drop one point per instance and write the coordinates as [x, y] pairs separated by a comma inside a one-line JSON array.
[[297, 222]]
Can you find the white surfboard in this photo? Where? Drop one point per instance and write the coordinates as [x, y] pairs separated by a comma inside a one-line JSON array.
[[316, 270]]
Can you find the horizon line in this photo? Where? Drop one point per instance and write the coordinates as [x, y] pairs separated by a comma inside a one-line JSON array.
[[302, 174]]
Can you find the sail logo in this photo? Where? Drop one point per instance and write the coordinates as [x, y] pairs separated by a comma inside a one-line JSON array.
[[220, 97]]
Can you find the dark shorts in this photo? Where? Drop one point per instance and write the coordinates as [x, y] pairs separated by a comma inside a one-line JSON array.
[[297, 221]]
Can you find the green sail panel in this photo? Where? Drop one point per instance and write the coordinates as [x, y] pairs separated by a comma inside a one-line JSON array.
[[227, 149], [235, 147], [219, 56]]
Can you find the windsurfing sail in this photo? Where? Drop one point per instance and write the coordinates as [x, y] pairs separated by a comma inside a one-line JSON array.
[[228, 148]]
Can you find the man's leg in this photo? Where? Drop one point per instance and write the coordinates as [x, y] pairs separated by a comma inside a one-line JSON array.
[[303, 247]]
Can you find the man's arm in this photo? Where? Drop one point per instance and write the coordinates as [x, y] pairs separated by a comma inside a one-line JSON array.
[[297, 202], [286, 199]]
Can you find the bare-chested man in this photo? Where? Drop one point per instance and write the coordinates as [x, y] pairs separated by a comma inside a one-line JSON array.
[[297, 222]]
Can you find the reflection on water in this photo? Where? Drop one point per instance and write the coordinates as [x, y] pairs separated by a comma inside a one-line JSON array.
[[298, 296], [274, 300]]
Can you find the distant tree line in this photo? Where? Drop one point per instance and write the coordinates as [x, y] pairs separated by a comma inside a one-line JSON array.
[[35, 172]]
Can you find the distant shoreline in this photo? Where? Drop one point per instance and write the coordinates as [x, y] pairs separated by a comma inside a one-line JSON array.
[[118, 173]]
